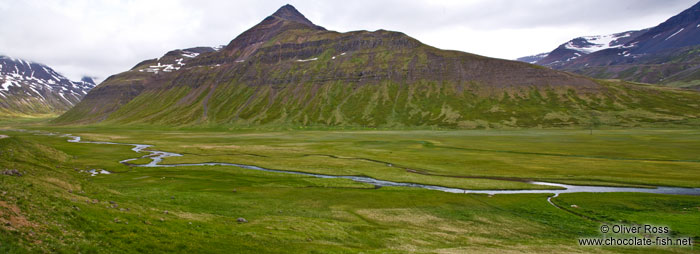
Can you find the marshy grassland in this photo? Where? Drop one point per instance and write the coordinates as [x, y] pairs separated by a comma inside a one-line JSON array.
[[57, 207]]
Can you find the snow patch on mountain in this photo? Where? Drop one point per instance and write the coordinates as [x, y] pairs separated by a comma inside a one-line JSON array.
[[6, 86], [190, 54], [596, 43], [176, 59], [307, 60], [681, 30]]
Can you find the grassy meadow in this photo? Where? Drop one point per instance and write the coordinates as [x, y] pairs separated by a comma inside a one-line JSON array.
[[55, 207]]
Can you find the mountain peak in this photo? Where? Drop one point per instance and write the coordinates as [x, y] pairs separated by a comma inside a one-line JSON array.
[[288, 12], [88, 80], [286, 17]]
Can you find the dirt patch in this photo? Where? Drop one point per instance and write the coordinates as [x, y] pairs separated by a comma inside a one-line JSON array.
[[403, 216], [11, 217], [501, 247], [94, 136], [188, 215], [194, 216], [260, 134], [211, 146], [439, 225], [62, 184]]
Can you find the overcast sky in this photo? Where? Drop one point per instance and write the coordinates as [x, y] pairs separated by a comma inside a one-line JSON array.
[[100, 38]]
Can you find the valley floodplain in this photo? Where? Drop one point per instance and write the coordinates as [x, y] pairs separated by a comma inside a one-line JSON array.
[[58, 206]]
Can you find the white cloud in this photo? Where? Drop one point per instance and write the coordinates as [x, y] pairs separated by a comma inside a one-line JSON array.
[[100, 38]]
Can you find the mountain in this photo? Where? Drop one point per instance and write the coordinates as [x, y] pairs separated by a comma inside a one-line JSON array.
[[665, 54], [29, 88], [533, 58], [88, 80], [288, 71], [585, 45]]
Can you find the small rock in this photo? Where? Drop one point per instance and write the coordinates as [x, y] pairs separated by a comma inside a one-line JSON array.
[[116, 220], [234, 191], [122, 209], [242, 220], [162, 219], [172, 197], [12, 172], [574, 206], [76, 208], [114, 206], [126, 222], [70, 191], [165, 212], [189, 223], [112, 202], [146, 222]]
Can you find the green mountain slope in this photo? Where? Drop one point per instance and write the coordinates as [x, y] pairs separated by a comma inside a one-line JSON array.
[[288, 71]]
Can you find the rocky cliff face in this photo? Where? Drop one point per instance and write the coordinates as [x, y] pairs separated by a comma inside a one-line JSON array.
[[28, 88], [286, 70]]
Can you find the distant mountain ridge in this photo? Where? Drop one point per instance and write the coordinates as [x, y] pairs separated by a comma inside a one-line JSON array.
[[28, 88], [585, 45], [664, 54], [288, 71], [533, 58]]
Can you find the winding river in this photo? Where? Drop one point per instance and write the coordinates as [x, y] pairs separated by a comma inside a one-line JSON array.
[[158, 156]]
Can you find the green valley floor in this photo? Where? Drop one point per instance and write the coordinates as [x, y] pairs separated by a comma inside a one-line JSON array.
[[52, 203]]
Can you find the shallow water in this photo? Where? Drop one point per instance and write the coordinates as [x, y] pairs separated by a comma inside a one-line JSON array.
[[94, 172]]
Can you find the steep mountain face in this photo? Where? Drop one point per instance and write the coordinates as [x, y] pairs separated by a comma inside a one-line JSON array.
[[288, 71], [666, 54], [28, 88], [679, 31]]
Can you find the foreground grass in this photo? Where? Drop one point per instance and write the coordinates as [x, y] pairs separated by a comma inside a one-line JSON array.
[[57, 208]]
